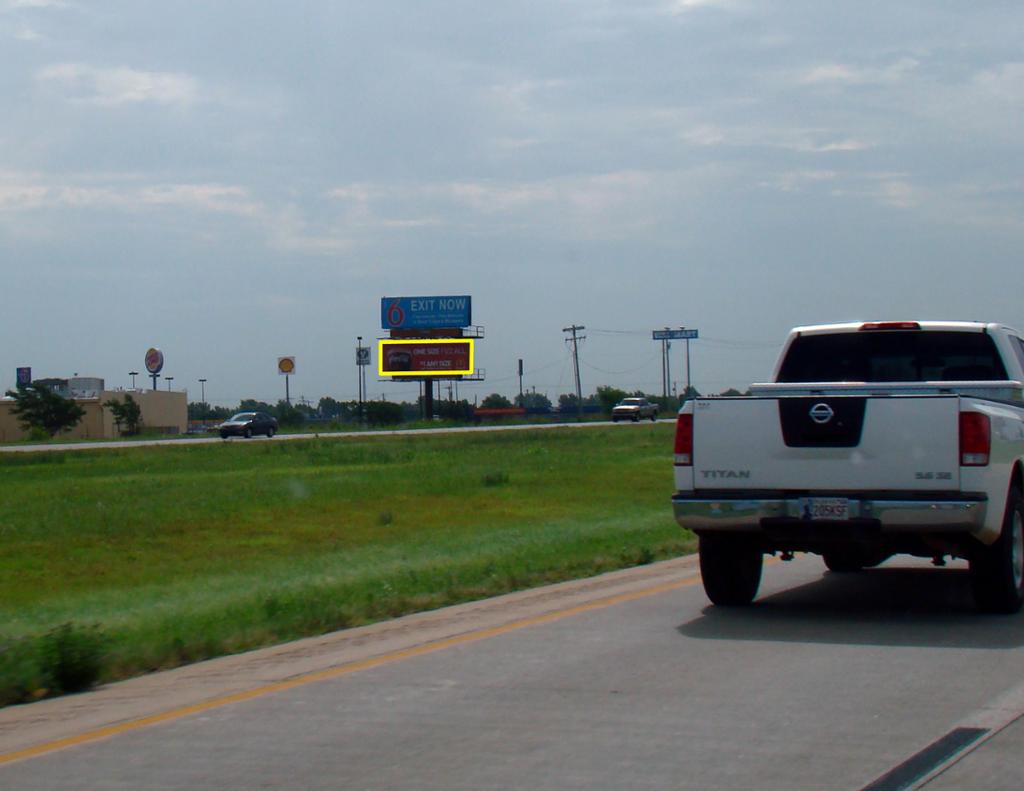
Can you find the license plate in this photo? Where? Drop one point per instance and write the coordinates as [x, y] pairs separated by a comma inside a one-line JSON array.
[[826, 509]]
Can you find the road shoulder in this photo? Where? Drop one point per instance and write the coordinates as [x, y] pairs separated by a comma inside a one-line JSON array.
[[39, 728]]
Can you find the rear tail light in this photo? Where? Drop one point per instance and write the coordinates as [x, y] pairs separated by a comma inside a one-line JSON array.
[[684, 441], [975, 439]]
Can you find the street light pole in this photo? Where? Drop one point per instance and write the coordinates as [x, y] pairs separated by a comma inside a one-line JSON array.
[[202, 384], [133, 374], [168, 379]]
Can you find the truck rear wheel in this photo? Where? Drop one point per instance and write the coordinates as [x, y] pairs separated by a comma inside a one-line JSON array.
[[730, 568], [997, 571]]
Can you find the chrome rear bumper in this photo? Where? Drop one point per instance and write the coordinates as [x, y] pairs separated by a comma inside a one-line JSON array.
[[890, 515]]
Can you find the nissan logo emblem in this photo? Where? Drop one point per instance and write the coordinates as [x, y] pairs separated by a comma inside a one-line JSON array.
[[821, 413]]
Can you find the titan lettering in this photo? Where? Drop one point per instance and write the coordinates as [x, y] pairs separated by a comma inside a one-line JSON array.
[[726, 473]]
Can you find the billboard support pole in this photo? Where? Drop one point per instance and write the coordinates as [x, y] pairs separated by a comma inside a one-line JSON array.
[[428, 400]]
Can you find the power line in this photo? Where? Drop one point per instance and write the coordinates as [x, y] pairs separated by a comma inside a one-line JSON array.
[[620, 332], [640, 367], [744, 344]]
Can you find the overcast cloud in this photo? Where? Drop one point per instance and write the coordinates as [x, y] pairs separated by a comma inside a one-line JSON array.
[[235, 181]]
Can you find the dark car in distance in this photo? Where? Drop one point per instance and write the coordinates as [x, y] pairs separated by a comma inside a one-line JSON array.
[[245, 424]]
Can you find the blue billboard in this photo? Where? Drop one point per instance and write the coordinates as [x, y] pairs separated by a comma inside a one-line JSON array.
[[407, 313]]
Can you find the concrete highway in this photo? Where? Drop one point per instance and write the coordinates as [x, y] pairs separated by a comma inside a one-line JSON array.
[[210, 439], [884, 679]]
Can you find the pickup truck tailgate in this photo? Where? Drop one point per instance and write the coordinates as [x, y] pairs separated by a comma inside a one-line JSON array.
[[841, 443]]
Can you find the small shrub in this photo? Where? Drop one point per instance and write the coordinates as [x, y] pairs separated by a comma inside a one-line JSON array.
[[385, 518], [499, 478], [71, 657], [382, 413], [37, 434], [20, 676]]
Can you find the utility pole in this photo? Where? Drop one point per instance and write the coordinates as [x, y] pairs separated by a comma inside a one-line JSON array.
[[576, 364]]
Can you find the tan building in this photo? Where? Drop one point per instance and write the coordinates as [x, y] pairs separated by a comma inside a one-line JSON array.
[[163, 412]]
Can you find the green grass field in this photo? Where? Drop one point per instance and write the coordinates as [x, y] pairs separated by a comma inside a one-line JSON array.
[[131, 560]]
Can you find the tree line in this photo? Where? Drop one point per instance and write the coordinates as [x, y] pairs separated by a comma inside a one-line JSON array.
[[44, 413]]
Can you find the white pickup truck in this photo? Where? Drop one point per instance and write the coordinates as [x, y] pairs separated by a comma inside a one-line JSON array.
[[873, 439]]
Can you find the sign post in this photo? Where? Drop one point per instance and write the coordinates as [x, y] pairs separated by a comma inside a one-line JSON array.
[[684, 334], [286, 367], [154, 363], [428, 341], [362, 360]]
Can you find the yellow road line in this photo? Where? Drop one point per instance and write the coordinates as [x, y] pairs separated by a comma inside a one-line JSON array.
[[335, 672]]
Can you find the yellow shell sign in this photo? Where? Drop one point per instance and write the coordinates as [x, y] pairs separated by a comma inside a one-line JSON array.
[[285, 365]]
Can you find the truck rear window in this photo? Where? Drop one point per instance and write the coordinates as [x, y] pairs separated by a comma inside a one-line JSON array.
[[893, 356]]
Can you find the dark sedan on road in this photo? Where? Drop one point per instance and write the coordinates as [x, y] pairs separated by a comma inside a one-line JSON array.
[[245, 424]]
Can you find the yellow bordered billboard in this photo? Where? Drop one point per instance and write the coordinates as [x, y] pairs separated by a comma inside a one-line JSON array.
[[421, 357]]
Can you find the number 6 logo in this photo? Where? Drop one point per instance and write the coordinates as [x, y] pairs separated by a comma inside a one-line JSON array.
[[396, 316]]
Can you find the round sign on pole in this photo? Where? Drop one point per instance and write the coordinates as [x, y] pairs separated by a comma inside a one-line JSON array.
[[285, 365], [154, 361]]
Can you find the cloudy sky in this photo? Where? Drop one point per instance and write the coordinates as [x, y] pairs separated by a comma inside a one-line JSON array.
[[233, 181]]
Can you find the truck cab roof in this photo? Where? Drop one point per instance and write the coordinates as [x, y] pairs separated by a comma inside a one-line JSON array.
[[901, 352], [894, 325]]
